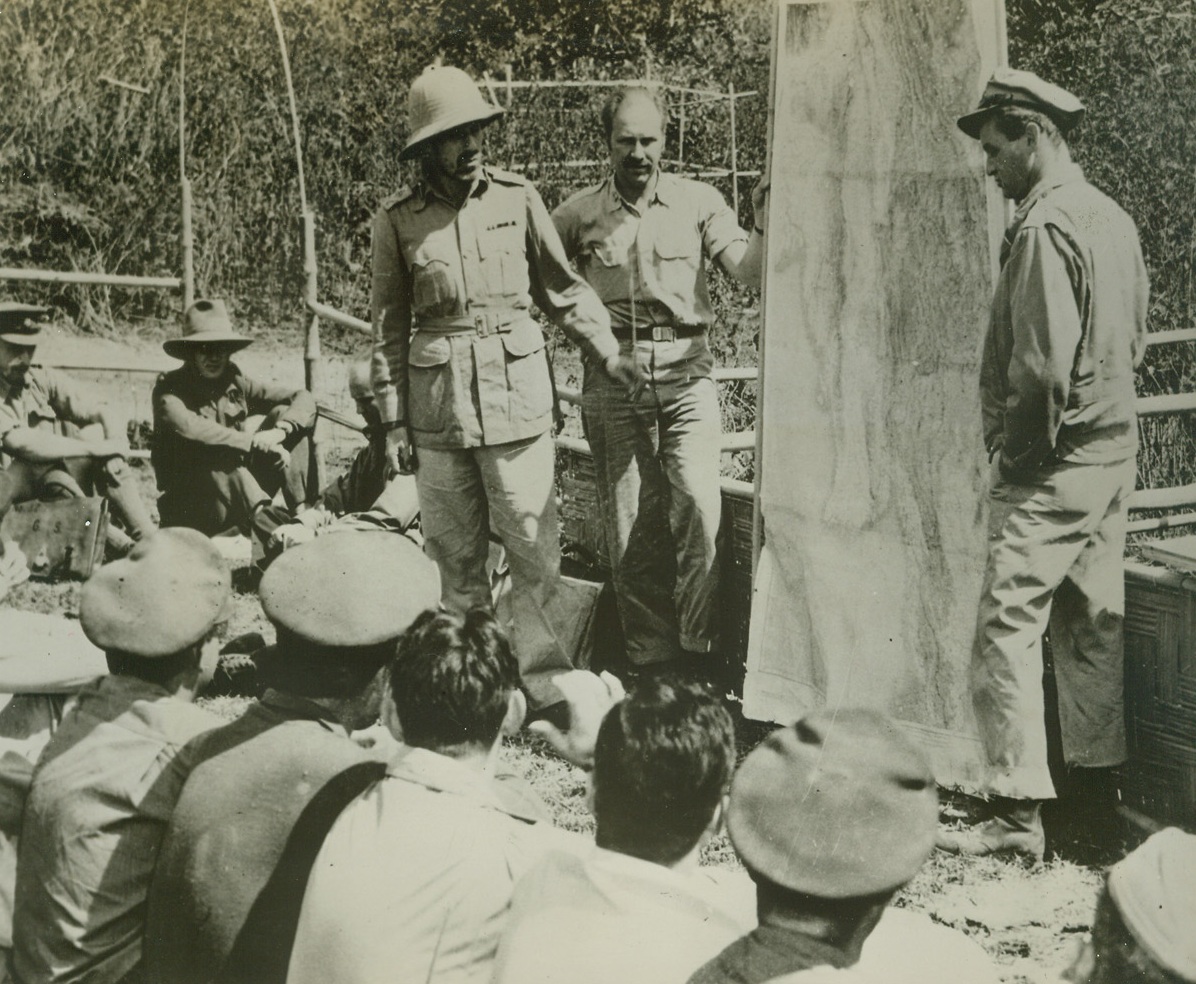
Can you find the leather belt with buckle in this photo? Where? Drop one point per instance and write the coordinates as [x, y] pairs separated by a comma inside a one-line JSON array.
[[660, 333]]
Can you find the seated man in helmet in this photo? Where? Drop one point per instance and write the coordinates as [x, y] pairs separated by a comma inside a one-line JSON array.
[[364, 497], [42, 449], [216, 470]]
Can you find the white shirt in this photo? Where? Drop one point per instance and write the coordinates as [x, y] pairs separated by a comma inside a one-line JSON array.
[[415, 877], [607, 917]]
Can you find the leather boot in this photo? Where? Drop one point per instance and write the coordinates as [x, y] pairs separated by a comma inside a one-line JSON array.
[[1014, 828]]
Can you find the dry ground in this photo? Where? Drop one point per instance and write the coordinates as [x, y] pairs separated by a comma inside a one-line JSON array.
[[1027, 919]]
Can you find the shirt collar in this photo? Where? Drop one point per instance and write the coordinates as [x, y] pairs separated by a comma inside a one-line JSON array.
[[442, 774], [1064, 175], [425, 192], [615, 201], [294, 706]]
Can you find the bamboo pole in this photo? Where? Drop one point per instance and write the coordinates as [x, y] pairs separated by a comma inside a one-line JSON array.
[[187, 236], [1166, 498], [1169, 337], [82, 277], [1161, 523], [311, 345], [1151, 406], [734, 152]]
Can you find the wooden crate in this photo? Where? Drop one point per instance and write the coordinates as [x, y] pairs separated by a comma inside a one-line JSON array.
[[582, 535], [1160, 693]]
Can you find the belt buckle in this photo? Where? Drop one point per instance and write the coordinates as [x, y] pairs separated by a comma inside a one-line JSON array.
[[482, 324], [663, 333]]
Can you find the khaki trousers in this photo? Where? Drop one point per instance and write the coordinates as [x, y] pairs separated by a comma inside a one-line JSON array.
[[463, 494], [1056, 549]]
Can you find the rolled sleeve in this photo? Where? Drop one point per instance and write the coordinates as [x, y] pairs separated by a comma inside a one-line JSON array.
[[566, 299], [720, 226], [1044, 309], [390, 306], [71, 401]]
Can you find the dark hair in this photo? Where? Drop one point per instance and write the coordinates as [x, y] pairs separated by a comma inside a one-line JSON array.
[[619, 96], [847, 914], [307, 669], [661, 764], [160, 670], [1012, 121], [451, 678], [1120, 958]]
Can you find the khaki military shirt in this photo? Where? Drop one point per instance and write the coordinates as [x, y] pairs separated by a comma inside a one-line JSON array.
[[457, 354], [649, 269], [1068, 327], [46, 401]]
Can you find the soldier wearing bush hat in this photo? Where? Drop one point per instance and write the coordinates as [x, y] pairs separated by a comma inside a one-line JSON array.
[[1066, 331], [109, 777], [226, 443], [225, 895], [460, 369], [43, 446]]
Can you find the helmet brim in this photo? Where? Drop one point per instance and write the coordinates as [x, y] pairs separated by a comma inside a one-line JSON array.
[[416, 141]]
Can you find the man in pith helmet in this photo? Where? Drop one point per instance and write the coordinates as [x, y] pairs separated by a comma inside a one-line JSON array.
[[1068, 328], [216, 471], [460, 369]]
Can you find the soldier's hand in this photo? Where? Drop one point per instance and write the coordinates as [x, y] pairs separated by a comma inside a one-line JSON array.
[[625, 370], [588, 697], [268, 440], [400, 455], [760, 201]]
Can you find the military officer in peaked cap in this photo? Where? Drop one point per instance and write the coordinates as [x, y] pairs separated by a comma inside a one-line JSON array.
[[1067, 329], [460, 370], [42, 457]]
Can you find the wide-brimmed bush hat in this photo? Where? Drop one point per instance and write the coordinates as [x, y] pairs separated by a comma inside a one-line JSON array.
[[441, 99], [20, 323], [205, 323]]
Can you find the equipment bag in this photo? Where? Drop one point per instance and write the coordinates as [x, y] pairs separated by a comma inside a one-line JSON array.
[[63, 538]]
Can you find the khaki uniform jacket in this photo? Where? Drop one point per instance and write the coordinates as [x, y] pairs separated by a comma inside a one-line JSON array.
[[457, 354], [47, 401], [1068, 328], [198, 425]]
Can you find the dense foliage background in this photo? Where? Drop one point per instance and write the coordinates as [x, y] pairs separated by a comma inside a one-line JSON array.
[[89, 169]]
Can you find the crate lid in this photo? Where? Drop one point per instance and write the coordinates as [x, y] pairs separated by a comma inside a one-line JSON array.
[[1178, 553]]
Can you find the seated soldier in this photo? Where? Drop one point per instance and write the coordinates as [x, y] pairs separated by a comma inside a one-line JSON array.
[[41, 449], [831, 817], [1144, 931], [216, 471], [226, 892], [416, 875], [105, 784], [636, 908], [366, 496]]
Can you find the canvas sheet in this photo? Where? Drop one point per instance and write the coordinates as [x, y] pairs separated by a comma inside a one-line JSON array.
[[878, 280]]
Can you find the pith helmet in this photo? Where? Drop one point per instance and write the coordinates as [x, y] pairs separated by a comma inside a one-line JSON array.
[[206, 323], [441, 99]]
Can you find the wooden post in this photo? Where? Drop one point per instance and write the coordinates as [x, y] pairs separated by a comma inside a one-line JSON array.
[[187, 237], [681, 136], [734, 153]]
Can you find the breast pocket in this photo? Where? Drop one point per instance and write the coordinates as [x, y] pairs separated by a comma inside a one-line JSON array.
[[677, 257], [433, 291], [528, 382], [429, 391], [504, 262]]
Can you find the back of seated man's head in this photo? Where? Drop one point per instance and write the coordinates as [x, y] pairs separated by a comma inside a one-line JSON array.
[[155, 613], [1144, 931], [339, 605], [832, 816], [662, 762], [455, 683]]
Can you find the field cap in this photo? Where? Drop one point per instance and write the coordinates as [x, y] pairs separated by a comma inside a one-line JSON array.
[[441, 99], [166, 595], [1154, 889], [840, 805], [206, 323], [349, 589], [1011, 87], [19, 324]]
